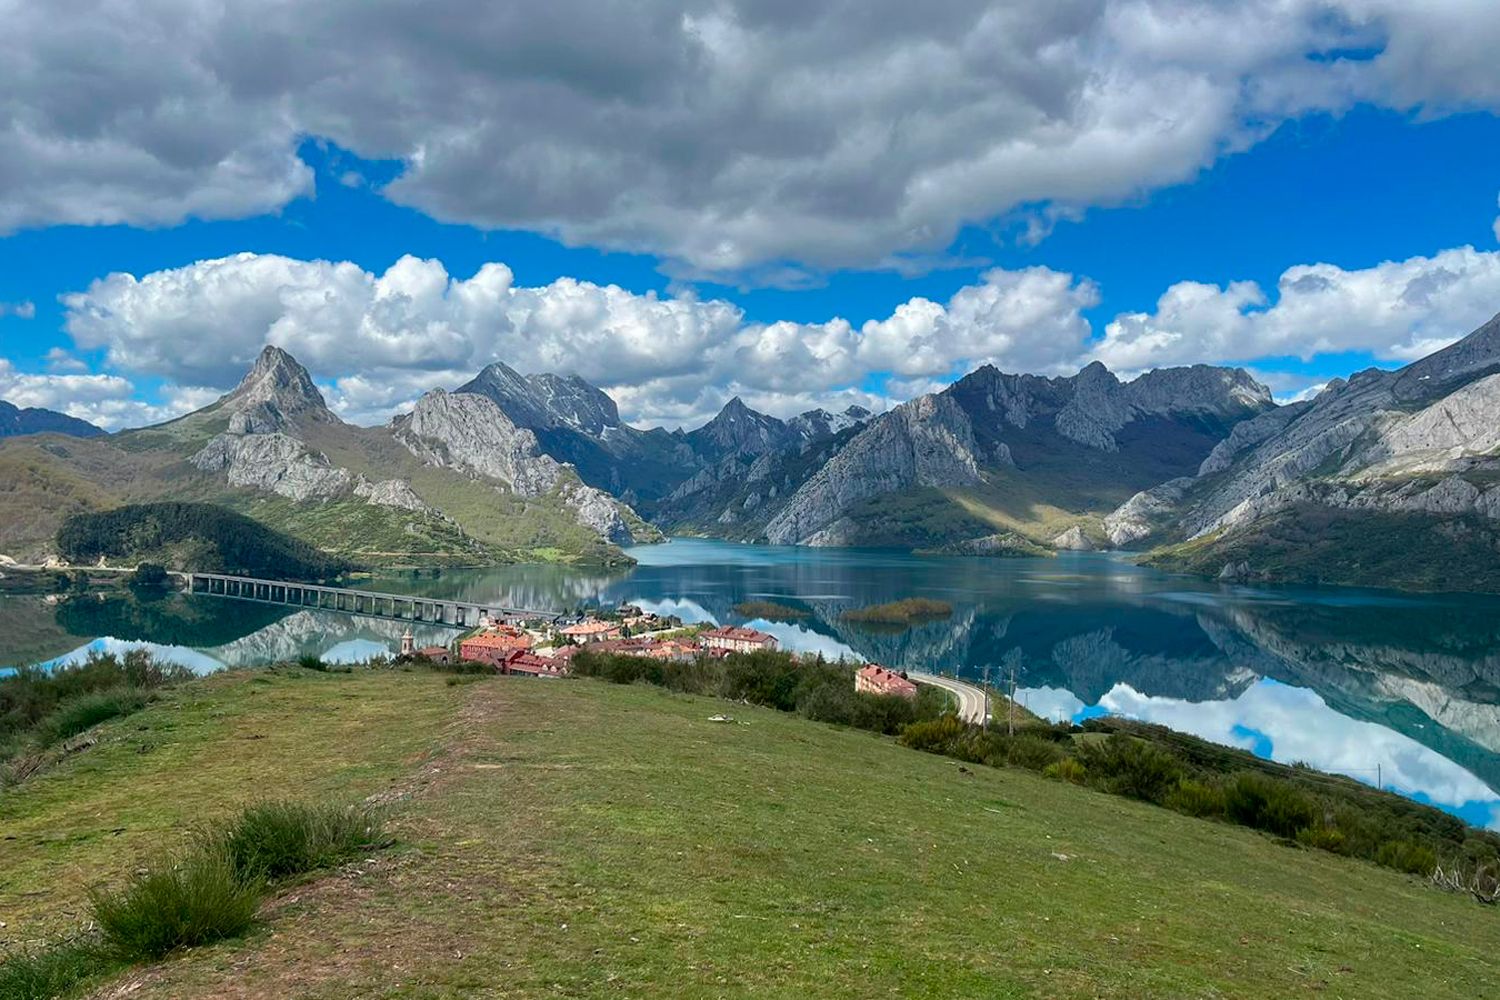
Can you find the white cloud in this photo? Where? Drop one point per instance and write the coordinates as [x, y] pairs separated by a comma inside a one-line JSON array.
[[379, 340], [60, 360], [1398, 311], [724, 135], [109, 401], [1497, 224], [21, 310]]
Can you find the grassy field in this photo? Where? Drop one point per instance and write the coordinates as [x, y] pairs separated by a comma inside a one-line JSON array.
[[581, 839]]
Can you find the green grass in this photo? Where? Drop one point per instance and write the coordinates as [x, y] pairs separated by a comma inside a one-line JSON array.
[[193, 901], [55, 971], [87, 711], [592, 840], [273, 841]]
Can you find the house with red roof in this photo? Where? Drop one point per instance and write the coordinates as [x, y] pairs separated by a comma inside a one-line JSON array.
[[592, 631], [524, 661], [735, 639], [493, 646], [875, 679]]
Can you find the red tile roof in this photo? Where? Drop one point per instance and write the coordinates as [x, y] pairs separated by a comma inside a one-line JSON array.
[[737, 634], [888, 681]]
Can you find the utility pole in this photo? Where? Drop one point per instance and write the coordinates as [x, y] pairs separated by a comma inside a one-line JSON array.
[[1011, 715], [985, 722]]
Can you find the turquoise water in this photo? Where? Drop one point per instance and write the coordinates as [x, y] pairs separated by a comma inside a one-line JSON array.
[[1404, 689]]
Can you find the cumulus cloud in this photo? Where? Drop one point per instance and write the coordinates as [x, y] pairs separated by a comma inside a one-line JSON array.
[[378, 340], [109, 401], [726, 136], [20, 310], [1398, 311]]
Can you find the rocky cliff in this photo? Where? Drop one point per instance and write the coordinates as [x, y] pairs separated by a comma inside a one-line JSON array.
[[1423, 440], [1000, 442]]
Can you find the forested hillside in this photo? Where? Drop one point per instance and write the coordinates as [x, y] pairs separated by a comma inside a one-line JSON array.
[[193, 536]]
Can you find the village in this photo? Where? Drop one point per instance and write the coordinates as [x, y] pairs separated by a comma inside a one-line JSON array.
[[545, 649]]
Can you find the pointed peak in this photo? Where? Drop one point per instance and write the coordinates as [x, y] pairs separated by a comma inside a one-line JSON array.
[[276, 388]]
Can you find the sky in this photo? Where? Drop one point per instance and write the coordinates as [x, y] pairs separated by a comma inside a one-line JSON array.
[[687, 200]]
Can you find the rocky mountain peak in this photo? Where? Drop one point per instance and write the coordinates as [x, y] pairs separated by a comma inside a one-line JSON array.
[[275, 393], [739, 430], [543, 401]]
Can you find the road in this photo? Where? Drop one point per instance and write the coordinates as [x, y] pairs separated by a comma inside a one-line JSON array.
[[970, 697]]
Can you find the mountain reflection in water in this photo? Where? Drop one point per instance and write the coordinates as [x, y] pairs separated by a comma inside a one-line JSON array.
[[1345, 680]]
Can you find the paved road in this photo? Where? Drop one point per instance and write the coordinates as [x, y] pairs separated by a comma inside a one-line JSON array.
[[970, 698]]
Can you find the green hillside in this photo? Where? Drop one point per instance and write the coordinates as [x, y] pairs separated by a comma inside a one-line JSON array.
[[44, 480], [1311, 543], [590, 840]]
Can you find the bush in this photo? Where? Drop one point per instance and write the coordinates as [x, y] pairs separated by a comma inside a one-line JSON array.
[[31, 695], [199, 900], [1406, 856], [1267, 804], [1131, 767], [1323, 838], [280, 840], [1195, 798], [51, 972], [934, 735], [311, 662], [1069, 769], [1032, 752], [87, 711]]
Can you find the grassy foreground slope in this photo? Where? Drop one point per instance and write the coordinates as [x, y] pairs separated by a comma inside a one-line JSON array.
[[581, 839]]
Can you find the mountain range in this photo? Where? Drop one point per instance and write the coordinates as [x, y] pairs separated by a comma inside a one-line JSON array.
[[1196, 464], [16, 421]]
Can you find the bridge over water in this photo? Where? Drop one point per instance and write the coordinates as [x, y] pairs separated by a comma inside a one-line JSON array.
[[370, 603]]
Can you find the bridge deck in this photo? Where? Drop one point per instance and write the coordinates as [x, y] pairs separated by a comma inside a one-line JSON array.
[[370, 603]]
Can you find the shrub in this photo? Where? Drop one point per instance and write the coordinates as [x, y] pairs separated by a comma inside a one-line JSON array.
[[1267, 804], [280, 840], [1069, 769], [311, 662], [1406, 856], [87, 711], [1195, 798], [935, 735], [199, 900], [1130, 767], [1033, 753], [31, 694], [1323, 838], [50, 972]]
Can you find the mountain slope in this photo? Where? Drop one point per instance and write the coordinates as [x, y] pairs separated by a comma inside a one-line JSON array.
[[16, 421], [579, 424], [1024, 453], [1419, 446], [272, 449]]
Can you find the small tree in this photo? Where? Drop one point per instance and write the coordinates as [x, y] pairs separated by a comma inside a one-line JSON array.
[[150, 575]]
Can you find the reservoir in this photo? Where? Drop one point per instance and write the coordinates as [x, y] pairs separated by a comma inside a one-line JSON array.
[[1400, 689]]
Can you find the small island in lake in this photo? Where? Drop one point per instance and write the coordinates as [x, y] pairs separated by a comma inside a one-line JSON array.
[[907, 611], [771, 611]]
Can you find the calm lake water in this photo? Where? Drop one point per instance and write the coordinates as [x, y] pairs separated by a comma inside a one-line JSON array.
[[1403, 689]]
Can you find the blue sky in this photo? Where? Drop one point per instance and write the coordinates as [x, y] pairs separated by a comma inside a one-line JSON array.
[[1389, 180]]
